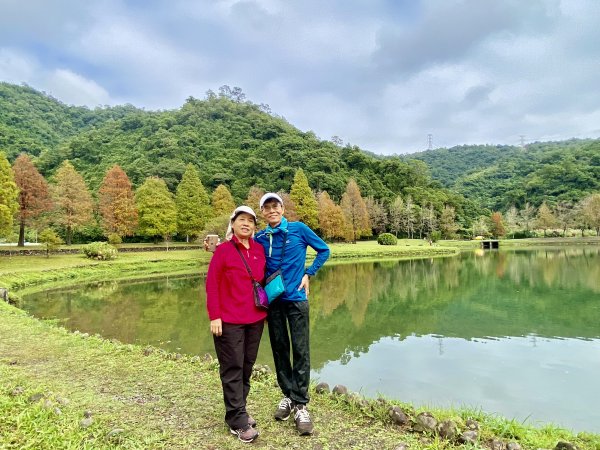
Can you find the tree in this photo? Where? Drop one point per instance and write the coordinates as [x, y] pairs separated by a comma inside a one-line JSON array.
[[303, 197], [34, 198], [511, 218], [290, 207], [527, 214], [565, 218], [448, 225], [9, 195], [73, 202], [377, 215], [428, 220], [156, 209], [193, 204], [396, 215], [222, 201], [50, 240], [480, 226], [253, 201], [545, 219], [117, 203], [355, 211], [497, 225], [591, 211], [331, 217], [409, 217]]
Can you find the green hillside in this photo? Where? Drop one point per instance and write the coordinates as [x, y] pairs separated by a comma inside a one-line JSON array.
[[497, 177]]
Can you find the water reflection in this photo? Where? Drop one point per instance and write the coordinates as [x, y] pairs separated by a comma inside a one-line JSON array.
[[481, 328]]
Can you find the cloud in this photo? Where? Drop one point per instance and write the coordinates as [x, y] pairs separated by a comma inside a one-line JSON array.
[[380, 74]]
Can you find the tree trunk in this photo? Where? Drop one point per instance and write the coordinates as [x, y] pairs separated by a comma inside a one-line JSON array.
[[69, 235], [21, 234]]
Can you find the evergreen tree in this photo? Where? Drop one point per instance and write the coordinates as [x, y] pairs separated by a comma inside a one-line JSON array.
[[193, 204], [331, 218], [34, 198], [73, 201], [117, 203], [156, 209], [355, 211], [303, 197], [9, 194], [222, 201]]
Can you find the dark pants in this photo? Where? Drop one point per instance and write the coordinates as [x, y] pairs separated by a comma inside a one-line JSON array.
[[293, 376], [236, 350]]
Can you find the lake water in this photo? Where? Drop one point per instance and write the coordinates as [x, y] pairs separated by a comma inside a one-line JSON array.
[[513, 332]]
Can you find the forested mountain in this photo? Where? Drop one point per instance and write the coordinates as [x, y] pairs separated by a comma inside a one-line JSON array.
[[497, 177], [32, 122], [240, 144]]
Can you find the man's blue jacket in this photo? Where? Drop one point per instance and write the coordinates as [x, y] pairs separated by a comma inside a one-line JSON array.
[[298, 237]]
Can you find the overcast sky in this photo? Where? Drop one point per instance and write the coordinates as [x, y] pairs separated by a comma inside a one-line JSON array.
[[379, 74]]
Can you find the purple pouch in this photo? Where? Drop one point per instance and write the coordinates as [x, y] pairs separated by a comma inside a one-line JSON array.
[[261, 299]]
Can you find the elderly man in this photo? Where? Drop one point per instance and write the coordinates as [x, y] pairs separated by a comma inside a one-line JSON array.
[[285, 245]]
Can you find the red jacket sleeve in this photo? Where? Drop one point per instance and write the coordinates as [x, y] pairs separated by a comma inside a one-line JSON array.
[[213, 280]]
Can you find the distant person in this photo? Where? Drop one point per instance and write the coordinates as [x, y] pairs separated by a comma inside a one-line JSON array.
[[235, 321], [290, 240]]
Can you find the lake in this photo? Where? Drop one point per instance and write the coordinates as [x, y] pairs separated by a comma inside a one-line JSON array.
[[512, 332]]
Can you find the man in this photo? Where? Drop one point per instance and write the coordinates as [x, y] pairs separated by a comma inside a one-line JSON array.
[[291, 307]]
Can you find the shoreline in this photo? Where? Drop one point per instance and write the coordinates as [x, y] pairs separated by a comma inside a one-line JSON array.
[[133, 388]]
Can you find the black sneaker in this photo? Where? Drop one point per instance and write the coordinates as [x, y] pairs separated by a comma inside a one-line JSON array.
[[284, 409], [246, 434], [251, 421], [304, 425]]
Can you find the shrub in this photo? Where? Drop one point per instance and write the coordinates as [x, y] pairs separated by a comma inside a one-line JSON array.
[[99, 250], [435, 236], [114, 239], [387, 239], [50, 240]]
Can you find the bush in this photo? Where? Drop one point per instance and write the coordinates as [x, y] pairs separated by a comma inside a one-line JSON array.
[[50, 240], [100, 250], [435, 236], [387, 239], [114, 239]]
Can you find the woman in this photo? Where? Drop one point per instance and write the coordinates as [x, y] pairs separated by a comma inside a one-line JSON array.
[[235, 322]]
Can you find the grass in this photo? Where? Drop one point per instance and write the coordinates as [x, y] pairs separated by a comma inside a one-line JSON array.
[[147, 398]]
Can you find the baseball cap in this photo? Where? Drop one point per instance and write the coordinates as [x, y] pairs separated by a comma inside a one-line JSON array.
[[269, 196], [242, 209]]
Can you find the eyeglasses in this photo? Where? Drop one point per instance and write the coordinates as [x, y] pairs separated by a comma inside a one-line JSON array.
[[273, 207]]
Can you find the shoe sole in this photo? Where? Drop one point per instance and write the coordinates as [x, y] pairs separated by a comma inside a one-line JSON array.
[[240, 438], [283, 418], [305, 433]]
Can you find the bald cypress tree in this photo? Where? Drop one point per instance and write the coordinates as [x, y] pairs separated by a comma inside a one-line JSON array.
[[222, 201], [9, 193], [304, 199], [156, 209], [34, 197], [117, 204], [355, 210], [193, 204]]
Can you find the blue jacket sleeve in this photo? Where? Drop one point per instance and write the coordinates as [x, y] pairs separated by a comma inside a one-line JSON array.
[[317, 245]]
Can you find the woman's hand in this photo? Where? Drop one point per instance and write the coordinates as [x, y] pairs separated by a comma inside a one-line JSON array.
[[216, 327]]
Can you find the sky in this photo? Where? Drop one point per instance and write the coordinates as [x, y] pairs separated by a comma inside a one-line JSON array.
[[379, 74]]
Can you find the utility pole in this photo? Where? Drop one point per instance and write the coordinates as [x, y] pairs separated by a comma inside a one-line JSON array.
[[429, 141]]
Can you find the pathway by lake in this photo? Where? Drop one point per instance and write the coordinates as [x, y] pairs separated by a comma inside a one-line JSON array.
[[512, 332]]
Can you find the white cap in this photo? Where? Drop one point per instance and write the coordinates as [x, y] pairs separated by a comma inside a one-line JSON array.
[[239, 210], [269, 196]]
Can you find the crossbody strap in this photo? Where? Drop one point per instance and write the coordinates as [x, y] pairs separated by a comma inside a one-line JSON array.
[[282, 248], [243, 259]]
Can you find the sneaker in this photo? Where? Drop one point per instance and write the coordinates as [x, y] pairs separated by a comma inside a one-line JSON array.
[[246, 434], [251, 421], [304, 425], [284, 409]]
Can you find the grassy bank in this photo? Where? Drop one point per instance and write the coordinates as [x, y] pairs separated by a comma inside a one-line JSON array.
[[145, 398]]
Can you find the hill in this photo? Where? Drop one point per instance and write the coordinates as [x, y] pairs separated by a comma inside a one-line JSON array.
[[497, 177]]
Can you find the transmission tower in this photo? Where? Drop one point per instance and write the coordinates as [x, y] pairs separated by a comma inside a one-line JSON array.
[[429, 141], [522, 138]]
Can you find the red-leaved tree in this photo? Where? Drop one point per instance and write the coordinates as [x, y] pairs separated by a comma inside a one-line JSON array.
[[34, 197]]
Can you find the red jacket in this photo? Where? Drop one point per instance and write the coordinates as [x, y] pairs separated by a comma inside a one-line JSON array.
[[229, 291]]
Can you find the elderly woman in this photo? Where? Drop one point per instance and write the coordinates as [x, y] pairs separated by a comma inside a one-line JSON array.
[[235, 321]]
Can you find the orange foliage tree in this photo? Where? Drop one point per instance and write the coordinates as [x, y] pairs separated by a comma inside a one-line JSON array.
[[117, 204]]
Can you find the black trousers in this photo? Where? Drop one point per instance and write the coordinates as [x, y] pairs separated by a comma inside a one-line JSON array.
[[236, 350], [293, 375]]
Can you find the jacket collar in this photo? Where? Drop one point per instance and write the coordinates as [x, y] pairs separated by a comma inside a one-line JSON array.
[[282, 227]]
